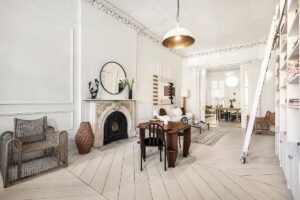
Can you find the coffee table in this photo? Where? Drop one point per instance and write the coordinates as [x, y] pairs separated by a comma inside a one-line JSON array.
[[198, 125]]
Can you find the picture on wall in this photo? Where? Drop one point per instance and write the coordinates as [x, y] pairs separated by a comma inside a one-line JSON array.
[[167, 91], [164, 91]]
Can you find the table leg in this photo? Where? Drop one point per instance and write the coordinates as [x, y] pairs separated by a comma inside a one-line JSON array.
[[186, 142], [172, 147], [142, 136]]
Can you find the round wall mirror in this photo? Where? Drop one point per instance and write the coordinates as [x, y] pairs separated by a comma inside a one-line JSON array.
[[110, 76]]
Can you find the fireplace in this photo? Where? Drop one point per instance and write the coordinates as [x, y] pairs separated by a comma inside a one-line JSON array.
[[101, 114], [115, 127]]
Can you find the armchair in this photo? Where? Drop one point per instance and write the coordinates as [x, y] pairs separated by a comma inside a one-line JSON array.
[[33, 148], [263, 123]]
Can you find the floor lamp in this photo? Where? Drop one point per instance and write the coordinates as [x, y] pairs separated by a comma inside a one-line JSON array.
[[184, 95]]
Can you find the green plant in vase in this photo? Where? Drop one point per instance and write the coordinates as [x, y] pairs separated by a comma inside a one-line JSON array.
[[129, 84], [122, 84], [231, 102]]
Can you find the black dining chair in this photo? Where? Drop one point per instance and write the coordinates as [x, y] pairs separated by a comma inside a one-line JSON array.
[[154, 137], [181, 133]]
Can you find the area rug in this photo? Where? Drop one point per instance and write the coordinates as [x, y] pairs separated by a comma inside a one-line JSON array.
[[210, 137]]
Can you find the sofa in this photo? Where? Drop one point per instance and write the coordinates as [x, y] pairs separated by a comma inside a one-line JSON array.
[[173, 114], [210, 111]]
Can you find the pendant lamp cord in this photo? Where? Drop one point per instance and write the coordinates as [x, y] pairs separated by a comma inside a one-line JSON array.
[[177, 17]]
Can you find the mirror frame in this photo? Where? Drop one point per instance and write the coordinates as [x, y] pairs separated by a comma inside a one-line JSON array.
[[101, 79]]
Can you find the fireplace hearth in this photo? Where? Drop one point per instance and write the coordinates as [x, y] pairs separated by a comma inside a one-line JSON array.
[[115, 127]]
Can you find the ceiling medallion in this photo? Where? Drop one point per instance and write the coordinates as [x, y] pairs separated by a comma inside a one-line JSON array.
[[178, 37]]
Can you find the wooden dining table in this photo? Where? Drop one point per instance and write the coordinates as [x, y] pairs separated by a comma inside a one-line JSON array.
[[171, 130], [228, 110]]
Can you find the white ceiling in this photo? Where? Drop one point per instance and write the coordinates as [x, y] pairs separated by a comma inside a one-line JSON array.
[[214, 23]]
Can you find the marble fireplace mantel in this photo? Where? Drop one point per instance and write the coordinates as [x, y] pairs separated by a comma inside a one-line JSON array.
[[99, 109]]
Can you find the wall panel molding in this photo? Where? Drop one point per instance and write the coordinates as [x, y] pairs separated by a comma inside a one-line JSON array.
[[71, 75], [69, 117]]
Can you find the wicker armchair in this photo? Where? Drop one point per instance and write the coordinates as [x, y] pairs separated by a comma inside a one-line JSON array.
[[263, 123], [33, 148]]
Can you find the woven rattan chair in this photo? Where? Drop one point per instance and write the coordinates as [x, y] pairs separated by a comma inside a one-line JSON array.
[[263, 124], [33, 148]]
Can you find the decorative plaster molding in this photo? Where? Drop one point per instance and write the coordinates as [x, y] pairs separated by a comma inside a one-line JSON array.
[[237, 47], [111, 10], [225, 65], [116, 13]]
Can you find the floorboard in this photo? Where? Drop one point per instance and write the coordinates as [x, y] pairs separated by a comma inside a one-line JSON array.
[[142, 185], [208, 173], [111, 188], [126, 191]]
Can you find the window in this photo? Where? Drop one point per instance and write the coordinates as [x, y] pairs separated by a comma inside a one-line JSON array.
[[217, 92]]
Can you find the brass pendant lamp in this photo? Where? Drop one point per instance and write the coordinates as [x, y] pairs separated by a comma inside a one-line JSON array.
[[178, 37]]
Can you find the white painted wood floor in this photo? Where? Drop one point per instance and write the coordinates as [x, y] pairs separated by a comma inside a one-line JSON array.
[[209, 173]]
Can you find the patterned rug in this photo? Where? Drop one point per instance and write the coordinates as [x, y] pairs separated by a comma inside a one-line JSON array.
[[210, 137]]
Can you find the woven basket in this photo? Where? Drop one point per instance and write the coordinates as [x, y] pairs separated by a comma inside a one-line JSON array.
[[84, 138]]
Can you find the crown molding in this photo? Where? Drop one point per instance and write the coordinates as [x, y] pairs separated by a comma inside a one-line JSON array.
[[226, 49], [121, 16]]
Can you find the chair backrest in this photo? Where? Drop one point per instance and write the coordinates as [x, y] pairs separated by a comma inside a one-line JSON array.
[[30, 130], [184, 120], [162, 112], [272, 118], [155, 132], [267, 116]]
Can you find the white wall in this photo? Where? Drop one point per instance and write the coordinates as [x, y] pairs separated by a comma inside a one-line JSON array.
[[50, 50], [106, 39], [153, 59], [39, 61], [245, 57]]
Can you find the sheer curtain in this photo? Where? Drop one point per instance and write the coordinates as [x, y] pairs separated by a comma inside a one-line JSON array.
[[217, 92]]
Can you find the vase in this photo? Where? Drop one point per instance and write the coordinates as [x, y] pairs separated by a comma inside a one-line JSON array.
[[84, 138], [129, 94], [231, 106]]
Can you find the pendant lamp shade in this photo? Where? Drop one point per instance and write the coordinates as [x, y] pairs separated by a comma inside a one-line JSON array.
[[178, 37]]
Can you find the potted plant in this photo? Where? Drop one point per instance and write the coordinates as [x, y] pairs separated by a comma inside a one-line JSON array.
[[231, 102], [129, 84]]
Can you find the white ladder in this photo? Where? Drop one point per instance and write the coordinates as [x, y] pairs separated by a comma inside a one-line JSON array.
[[259, 87]]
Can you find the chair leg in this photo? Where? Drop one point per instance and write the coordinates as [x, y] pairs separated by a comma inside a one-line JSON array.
[[141, 159], [179, 142], [160, 152], [165, 159]]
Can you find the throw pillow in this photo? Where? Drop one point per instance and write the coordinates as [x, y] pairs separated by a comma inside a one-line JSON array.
[[177, 112], [162, 112]]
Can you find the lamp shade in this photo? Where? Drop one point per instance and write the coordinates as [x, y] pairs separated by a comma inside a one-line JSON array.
[[184, 92], [231, 81], [177, 38]]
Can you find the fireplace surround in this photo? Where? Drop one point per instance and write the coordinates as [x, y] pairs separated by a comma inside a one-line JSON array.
[[111, 119]]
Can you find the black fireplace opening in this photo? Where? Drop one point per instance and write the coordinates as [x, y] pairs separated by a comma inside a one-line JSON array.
[[115, 127]]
